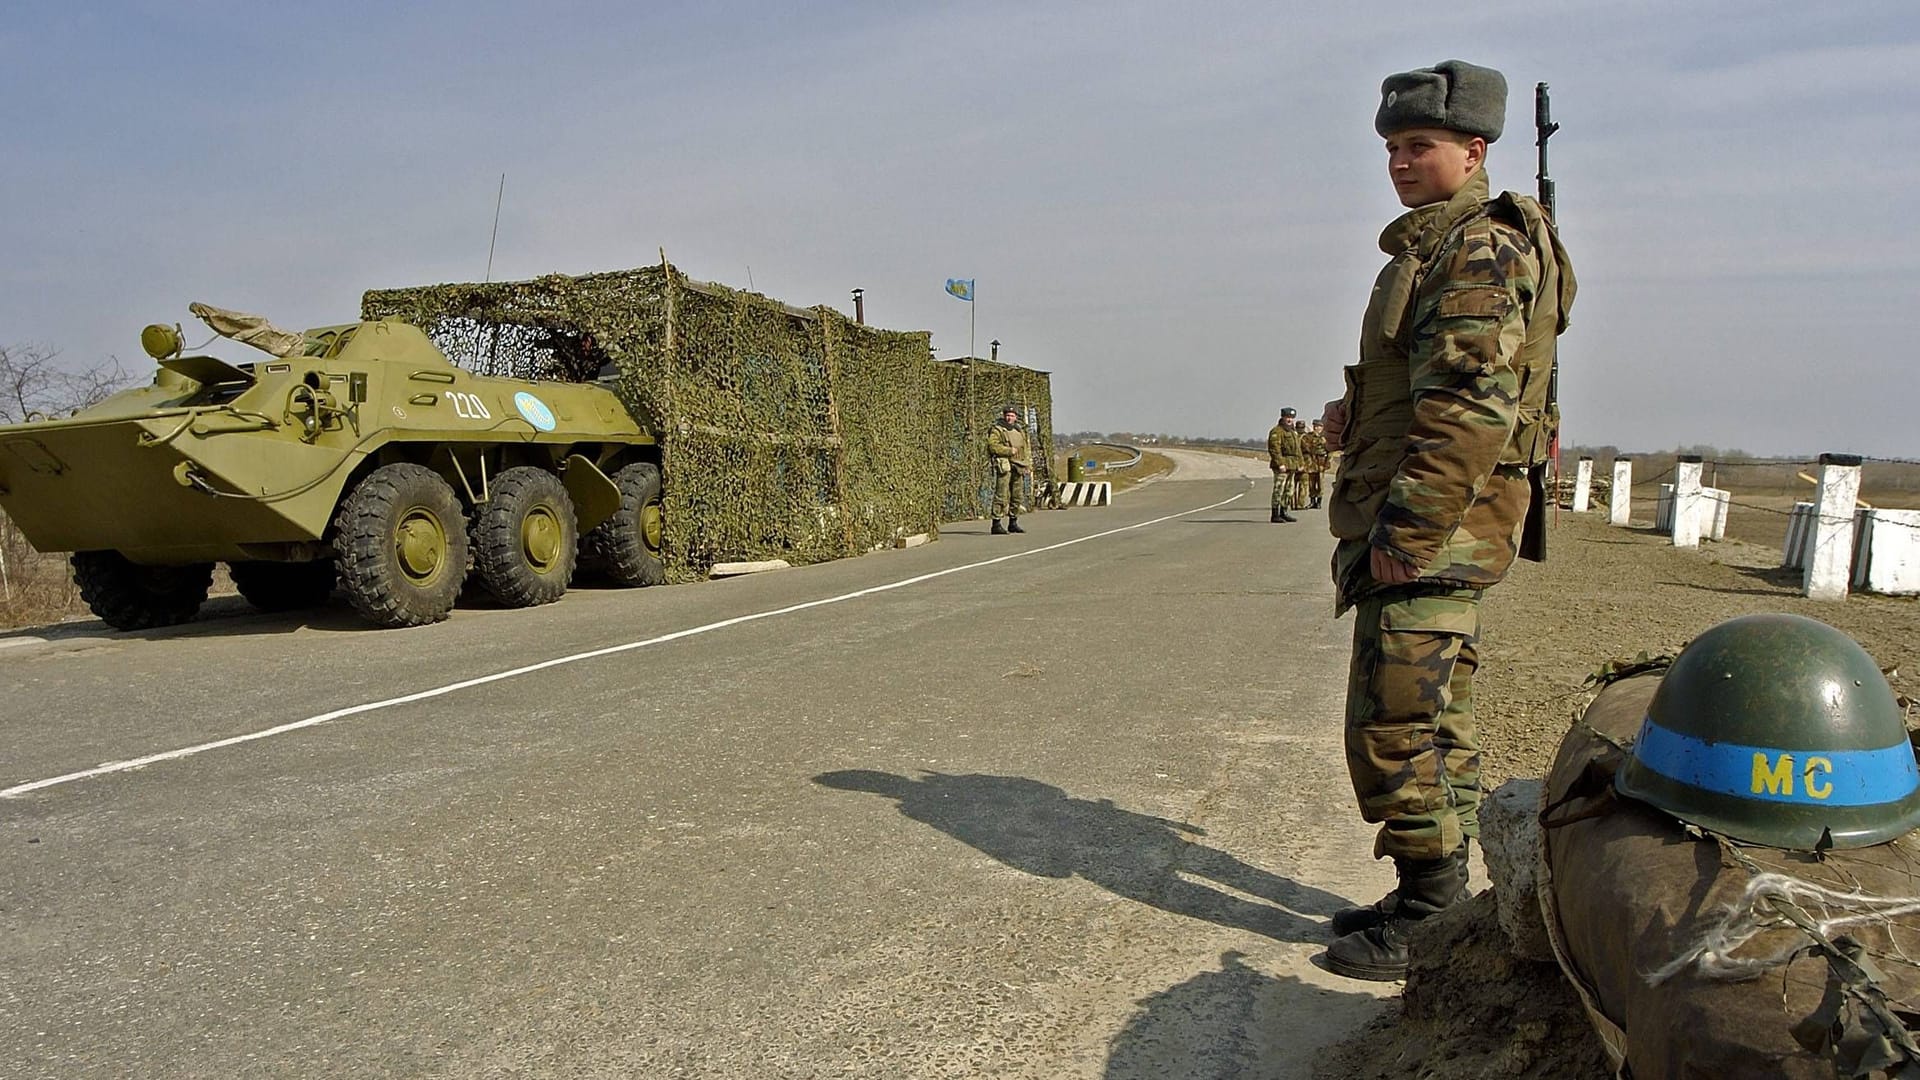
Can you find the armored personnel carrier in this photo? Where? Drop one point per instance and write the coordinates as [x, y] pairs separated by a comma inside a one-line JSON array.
[[354, 456]]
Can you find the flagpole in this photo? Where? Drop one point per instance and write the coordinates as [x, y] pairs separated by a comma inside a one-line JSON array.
[[973, 305]]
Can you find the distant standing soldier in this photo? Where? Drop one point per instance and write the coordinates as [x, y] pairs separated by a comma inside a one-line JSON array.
[[1012, 462], [1442, 417], [1283, 457], [1314, 443], [1306, 465]]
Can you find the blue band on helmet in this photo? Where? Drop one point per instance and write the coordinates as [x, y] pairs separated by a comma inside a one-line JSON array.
[[1807, 777]]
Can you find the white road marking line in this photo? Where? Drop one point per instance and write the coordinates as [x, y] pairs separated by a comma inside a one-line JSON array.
[[440, 691]]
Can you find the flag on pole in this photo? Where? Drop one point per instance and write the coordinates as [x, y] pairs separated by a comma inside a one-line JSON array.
[[960, 288]]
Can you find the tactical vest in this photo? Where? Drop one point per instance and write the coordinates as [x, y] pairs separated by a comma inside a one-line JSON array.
[[1379, 393]]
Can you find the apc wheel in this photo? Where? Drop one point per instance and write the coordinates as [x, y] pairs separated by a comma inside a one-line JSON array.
[[401, 543], [627, 546], [284, 586], [525, 538], [128, 596]]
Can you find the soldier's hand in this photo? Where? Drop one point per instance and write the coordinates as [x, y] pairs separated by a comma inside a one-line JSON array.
[[1334, 420], [1391, 570]]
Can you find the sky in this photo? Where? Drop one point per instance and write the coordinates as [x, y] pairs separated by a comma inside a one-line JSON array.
[[1172, 208]]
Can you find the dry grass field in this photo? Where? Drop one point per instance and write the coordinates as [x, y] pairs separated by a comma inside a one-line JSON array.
[[1151, 465]]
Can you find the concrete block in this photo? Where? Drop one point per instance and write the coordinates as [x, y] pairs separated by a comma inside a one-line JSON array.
[[735, 569], [1713, 507], [1829, 570], [1687, 498], [1887, 556], [1663, 510], [1582, 485], [1086, 493], [1620, 500], [1793, 554], [1510, 839]]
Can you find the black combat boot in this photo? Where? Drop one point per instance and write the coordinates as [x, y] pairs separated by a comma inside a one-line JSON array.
[[1013, 525], [998, 529], [1284, 516], [1355, 919], [1379, 953], [1316, 503]]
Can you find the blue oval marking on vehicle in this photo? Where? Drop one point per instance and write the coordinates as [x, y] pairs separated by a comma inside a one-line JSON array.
[[534, 411]]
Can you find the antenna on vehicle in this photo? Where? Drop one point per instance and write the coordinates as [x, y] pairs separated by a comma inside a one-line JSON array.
[[497, 196]]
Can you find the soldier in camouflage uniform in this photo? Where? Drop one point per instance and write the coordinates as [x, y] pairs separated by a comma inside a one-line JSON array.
[[1283, 457], [1306, 467], [1314, 444], [1012, 462], [1442, 417]]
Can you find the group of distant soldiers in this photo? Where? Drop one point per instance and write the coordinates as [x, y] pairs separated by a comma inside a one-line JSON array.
[[1299, 457]]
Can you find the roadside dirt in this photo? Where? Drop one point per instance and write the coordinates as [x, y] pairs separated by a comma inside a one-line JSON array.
[[1470, 1011]]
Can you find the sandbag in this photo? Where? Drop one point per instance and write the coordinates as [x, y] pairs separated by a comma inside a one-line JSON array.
[[1626, 889]]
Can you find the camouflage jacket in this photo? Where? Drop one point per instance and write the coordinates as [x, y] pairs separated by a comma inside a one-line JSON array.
[[1009, 443], [1283, 449], [1314, 446], [1446, 408]]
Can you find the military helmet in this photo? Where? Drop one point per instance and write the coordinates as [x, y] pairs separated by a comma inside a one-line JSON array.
[[1781, 731]]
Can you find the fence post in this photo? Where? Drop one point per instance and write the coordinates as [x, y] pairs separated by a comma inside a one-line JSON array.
[[1686, 501], [1620, 500], [1830, 559]]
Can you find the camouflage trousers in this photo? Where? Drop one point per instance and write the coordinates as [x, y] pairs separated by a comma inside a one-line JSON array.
[[1412, 750], [1282, 494], [1007, 489], [1313, 484]]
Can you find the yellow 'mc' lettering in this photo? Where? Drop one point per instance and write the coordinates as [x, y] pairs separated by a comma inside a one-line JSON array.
[[1775, 778], [1816, 788]]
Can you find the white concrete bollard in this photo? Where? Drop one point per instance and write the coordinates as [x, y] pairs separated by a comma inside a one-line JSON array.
[[1714, 504], [1686, 502], [1887, 555], [1582, 485], [1830, 562], [1620, 501], [1793, 555]]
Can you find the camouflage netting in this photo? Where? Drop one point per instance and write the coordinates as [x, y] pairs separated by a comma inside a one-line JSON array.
[[786, 433]]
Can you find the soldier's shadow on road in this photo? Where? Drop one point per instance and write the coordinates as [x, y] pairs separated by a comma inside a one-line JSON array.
[[1229, 1023], [1041, 830]]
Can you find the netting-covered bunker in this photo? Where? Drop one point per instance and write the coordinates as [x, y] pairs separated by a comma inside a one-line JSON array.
[[786, 433]]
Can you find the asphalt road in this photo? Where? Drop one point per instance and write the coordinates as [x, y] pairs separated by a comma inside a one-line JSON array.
[[1077, 813]]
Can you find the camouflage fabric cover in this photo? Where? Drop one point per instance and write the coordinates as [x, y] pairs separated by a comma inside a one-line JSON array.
[[786, 432], [1458, 335], [246, 329], [1413, 751]]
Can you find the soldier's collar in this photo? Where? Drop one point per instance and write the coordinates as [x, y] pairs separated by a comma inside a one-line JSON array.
[[1426, 225]]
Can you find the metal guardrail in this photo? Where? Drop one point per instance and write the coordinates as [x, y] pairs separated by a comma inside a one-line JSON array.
[[1127, 464]]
